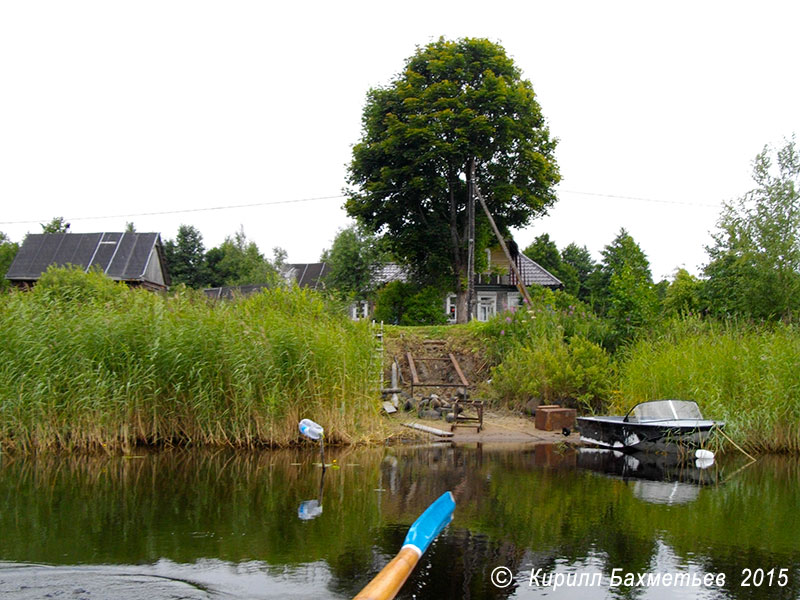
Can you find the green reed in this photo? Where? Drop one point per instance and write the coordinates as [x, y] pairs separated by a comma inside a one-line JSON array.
[[744, 374], [86, 363]]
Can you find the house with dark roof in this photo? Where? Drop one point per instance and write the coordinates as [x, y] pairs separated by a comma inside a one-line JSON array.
[[495, 291], [135, 258], [307, 275]]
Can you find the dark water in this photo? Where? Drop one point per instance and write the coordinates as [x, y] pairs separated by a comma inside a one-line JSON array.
[[564, 523]]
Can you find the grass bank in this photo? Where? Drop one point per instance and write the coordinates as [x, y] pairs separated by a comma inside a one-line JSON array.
[[746, 375], [87, 363]]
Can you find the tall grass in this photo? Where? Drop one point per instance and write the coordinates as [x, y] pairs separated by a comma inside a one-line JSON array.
[[87, 363], [746, 375]]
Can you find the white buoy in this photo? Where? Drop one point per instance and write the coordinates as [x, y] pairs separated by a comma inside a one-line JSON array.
[[703, 458]]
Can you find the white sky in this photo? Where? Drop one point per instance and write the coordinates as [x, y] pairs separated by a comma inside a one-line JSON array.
[[126, 108]]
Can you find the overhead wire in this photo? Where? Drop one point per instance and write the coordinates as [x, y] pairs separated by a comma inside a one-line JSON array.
[[319, 198]]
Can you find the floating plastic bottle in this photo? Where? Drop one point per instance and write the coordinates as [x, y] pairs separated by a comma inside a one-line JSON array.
[[311, 430]]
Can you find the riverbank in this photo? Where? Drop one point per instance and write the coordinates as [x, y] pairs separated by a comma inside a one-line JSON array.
[[87, 364]]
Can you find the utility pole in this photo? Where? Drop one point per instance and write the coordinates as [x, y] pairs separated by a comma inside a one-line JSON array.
[[471, 239], [511, 262]]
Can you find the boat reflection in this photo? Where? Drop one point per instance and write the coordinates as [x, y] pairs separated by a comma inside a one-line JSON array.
[[656, 478]]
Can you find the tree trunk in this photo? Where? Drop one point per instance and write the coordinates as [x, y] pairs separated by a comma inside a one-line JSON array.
[[459, 265]]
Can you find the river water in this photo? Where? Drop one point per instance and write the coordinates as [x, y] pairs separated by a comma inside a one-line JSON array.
[[530, 522]]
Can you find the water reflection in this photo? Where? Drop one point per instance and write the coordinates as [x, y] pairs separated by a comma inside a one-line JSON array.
[[226, 524], [656, 478]]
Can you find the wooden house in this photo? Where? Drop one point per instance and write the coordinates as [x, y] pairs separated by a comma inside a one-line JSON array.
[[135, 258]]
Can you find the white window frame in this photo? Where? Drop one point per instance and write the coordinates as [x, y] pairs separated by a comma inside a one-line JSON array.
[[451, 308], [514, 300], [359, 309], [487, 301]]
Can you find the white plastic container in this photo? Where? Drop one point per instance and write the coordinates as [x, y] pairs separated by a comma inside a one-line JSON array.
[[311, 430]]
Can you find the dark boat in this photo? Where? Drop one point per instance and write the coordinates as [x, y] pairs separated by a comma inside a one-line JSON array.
[[655, 426]]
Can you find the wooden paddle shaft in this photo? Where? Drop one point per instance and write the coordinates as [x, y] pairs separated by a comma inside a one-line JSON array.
[[388, 582]]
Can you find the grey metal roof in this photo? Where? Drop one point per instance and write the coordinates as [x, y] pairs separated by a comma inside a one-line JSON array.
[[390, 272], [307, 274], [121, 256], [533, 273]]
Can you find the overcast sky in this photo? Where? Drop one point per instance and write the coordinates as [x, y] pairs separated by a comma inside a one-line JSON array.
[[156, 112]]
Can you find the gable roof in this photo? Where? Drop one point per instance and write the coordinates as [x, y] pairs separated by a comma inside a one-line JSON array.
[[125, 256], [308, 275], [533, 273]]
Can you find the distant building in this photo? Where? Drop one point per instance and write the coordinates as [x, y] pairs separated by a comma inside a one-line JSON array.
[[495, 291], [135, 258], [229, 292], [307, 275]]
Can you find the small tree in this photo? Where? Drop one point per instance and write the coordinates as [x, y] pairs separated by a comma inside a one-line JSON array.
[[353, 261], [238, 261], [185, 257], [623, 289], [8, 250], [57, 225], [684, 294], [577, 263], [544, 251]]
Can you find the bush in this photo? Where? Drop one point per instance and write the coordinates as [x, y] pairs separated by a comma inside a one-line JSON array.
[[551, 315], [578, 373], [71, 284]]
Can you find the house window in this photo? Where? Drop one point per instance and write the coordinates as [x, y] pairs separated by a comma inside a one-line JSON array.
[[450, 309], [359, 310], [486, 307], [514, 300]]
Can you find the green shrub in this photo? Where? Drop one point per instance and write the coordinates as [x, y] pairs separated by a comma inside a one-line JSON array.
[[577, 373], [555, 315], [72, 284]]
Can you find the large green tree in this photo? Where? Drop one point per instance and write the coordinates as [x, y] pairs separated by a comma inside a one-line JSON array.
[[457, 106], [754, 267]]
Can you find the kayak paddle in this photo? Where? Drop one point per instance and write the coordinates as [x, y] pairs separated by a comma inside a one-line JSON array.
[[430, 523]]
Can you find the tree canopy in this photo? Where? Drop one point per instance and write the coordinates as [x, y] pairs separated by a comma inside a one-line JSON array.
[[237, 261], [754, 267], [457, 105], [56, 225], [353, 260]]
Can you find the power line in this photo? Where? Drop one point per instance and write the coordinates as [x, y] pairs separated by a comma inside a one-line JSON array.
[[639, 199], [180, 211], [318, 198]]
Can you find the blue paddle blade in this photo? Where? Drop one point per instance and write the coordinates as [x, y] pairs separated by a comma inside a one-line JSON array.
[[431, 522]]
